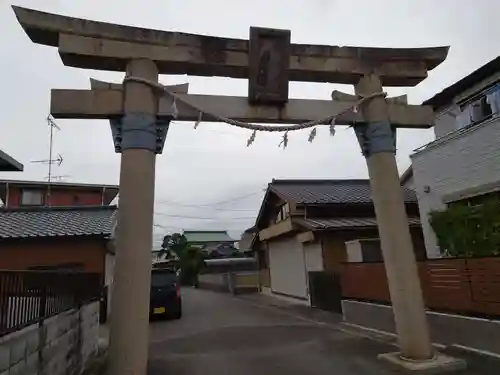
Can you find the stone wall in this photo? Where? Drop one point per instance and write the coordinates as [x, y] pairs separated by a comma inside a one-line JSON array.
[[60, 345]]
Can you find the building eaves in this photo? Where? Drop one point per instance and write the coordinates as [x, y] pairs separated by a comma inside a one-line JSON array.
[[407, 174], [9, 164], [445, 97], [345, 223]]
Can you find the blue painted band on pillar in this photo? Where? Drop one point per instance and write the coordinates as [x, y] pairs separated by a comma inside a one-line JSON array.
[[139, 131], [376, 137]]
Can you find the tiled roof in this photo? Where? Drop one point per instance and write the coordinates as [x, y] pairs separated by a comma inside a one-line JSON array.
[[207, 236], [57, 221], [329, 191], [345, 222]]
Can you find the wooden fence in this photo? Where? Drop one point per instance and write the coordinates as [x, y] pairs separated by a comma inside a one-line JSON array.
[[470, 286]]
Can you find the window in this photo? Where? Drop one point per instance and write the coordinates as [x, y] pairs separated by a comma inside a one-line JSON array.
[[283, 213], [31, 198], [162, 279], [481, 107]]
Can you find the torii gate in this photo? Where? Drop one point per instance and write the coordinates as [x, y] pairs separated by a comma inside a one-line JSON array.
[[140, 118]]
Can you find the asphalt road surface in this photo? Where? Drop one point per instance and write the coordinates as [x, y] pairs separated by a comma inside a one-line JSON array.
[[221, 334]]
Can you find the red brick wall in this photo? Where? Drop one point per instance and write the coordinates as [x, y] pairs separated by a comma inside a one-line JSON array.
[[23, 254], [61, 197]]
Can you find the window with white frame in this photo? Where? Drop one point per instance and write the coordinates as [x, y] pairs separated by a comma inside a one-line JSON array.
[[31, 197], [283, 213]]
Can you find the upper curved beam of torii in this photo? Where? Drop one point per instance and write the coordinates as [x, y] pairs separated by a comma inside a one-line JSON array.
[[104, 46]]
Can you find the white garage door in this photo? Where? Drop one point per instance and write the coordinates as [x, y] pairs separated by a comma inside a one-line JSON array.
[[287, 268]]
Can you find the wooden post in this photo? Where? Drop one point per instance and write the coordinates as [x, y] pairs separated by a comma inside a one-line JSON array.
[[129, 337], [377, 140]]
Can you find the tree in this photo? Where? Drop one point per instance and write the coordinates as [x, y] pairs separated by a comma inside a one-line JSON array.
[[175, 242], [189, 259]]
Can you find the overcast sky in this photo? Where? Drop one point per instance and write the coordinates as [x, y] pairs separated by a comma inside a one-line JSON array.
[[200, 168]]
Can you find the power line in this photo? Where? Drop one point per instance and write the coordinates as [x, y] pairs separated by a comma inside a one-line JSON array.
[[207, 207], [217, 203]]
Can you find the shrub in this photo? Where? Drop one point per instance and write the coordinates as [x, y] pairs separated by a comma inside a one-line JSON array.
[[468, 231]]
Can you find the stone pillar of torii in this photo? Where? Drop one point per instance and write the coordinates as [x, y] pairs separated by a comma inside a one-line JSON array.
[[140, 111]]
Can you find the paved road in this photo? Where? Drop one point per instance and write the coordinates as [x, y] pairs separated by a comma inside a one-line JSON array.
[[220, 334]]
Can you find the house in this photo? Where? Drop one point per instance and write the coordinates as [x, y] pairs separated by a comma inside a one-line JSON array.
[[74, 233], [246, 240], [463, 163], [9, 164], [66, 238], [17, 193], [209, 241], [304, 225]]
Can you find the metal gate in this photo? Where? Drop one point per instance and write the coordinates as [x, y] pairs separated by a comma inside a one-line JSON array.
[[325, 291]]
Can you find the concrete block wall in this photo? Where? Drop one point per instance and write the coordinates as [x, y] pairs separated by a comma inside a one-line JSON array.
[[214, 281], [233, 282], [453, 168], [60, 345]]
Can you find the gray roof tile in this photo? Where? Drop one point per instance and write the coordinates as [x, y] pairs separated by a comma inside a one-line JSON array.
[[194, 236], [329, 191], [57, 221]]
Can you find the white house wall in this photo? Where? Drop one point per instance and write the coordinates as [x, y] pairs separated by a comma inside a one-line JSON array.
[[453, 167]]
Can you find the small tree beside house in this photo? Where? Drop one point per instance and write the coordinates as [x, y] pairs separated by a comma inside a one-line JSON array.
[[468, 230]]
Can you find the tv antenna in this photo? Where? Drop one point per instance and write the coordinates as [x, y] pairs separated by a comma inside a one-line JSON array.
[[50, 161], [58, 178]]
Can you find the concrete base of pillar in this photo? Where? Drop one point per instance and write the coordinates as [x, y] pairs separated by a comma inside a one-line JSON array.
[[439, 364]]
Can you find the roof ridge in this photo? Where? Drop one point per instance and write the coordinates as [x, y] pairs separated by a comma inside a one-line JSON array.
[[205, 231], [57, 208], [320, 181], [59, 183]]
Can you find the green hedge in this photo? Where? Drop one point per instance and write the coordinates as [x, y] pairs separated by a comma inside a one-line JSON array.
[[468, 231]]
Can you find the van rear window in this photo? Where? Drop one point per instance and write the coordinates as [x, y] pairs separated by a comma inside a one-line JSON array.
[[163, 279]]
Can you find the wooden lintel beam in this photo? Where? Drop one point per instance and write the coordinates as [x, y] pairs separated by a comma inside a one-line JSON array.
[[103, 54], [181, 53], [106, 104]]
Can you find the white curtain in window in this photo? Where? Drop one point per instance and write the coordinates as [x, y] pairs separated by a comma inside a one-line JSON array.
[[464, 117], [493, 99]]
